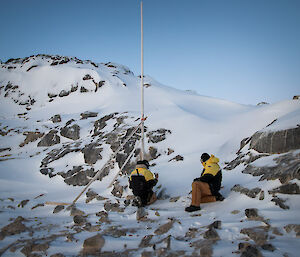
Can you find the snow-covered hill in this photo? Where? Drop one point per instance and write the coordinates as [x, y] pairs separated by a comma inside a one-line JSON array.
[[61, 118]]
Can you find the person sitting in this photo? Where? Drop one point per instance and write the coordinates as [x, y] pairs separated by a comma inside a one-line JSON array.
[[206, 188], [141, 182]]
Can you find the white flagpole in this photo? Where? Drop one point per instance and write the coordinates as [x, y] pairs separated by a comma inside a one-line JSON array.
[[142, 87]]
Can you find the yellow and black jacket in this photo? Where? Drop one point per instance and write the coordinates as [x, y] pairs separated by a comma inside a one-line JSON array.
[[211, 174], [142, 175]]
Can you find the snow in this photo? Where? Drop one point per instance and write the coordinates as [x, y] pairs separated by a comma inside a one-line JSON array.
[[198, 124]]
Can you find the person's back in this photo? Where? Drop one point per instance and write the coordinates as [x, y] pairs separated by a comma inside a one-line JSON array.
[[142, 181]]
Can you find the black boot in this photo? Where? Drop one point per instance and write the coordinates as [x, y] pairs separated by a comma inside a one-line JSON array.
[[192, 208], [219, 197]]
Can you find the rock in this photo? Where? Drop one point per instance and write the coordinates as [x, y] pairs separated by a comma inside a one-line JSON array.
[[14, 228], [71, 132], [47, 171], [101, 123], [83, 90], [216, 224], [276, 142], [56, 118], [153, 153], [38, 205], [280, 202], [31, 137], [114, 207], [257, 234], [23, 203], [64, 93], [80, 177], [87, 77], [249, 192], [157, 135], [90, 195], [103, 216], [50, 139], [164, 228], [262, 195], [58, 208], [268, 247], [117, 190], [211, 234], [290, 188], [170, 151], [87, 115], [206, 250], [174, 199], [93, 245], [251, 251], [293, 227], [296, 97], [92, 153], [177, 158], [115, 232], [145, 242], [286, 168], [252, 214], [75, 212], [79, 220], [57, 255]]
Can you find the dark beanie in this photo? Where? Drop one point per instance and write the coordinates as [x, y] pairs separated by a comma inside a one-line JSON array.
[[205, 157], [145, 162]]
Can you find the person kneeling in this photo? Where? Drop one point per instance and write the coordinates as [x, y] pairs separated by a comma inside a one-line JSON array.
[[141, 182], [206, 188]]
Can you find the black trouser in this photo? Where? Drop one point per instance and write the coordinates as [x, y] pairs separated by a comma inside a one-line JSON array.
[[144, 195]]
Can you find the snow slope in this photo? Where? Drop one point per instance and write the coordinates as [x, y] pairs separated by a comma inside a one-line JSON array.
[[197, 123]]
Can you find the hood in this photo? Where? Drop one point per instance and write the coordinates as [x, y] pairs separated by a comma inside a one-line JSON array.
[[212, 159]]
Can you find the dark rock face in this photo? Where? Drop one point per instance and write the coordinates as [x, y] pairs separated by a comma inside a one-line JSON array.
[[72, 132], [287, 168], [276, 142], [92, 153], [101, 123], [50, 139], [78, 176], [158, 135], [280, 202]]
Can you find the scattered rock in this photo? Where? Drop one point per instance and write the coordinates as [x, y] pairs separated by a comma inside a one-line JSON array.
[[93, 245], [58, 208], [16, 227], [87, 115], [293, 227], [79, 220], [72, 132], [75, 212], [64, 93], [268, 247], [174, 199], [249, 250], [117, 190], [115, 232], [252, 214], [280, 202], [56, 118], [57, 255], [177, 158], [211, 234], [23, 203], [170, 151], [50, 139], [101, 123], [216, 224], [114, 207], [257, 234], [31, 137], [90, 195], [252, 193], [164, 228], [103, 217], [87, 77], [290, 188], [157, 135]]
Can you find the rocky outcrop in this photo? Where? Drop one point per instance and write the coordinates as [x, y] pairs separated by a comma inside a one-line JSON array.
[[71, 132], [50, 139], [276, 142]]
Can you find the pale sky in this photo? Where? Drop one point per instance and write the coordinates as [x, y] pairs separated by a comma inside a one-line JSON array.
[[243, 51]]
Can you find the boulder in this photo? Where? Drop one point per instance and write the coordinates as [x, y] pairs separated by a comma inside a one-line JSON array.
[[31, 137], [252, 193], [276, 141], [164, 228], [157, 135], [87, 115], [290, 188], [50, 139], [92, 153], [56, 118]]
